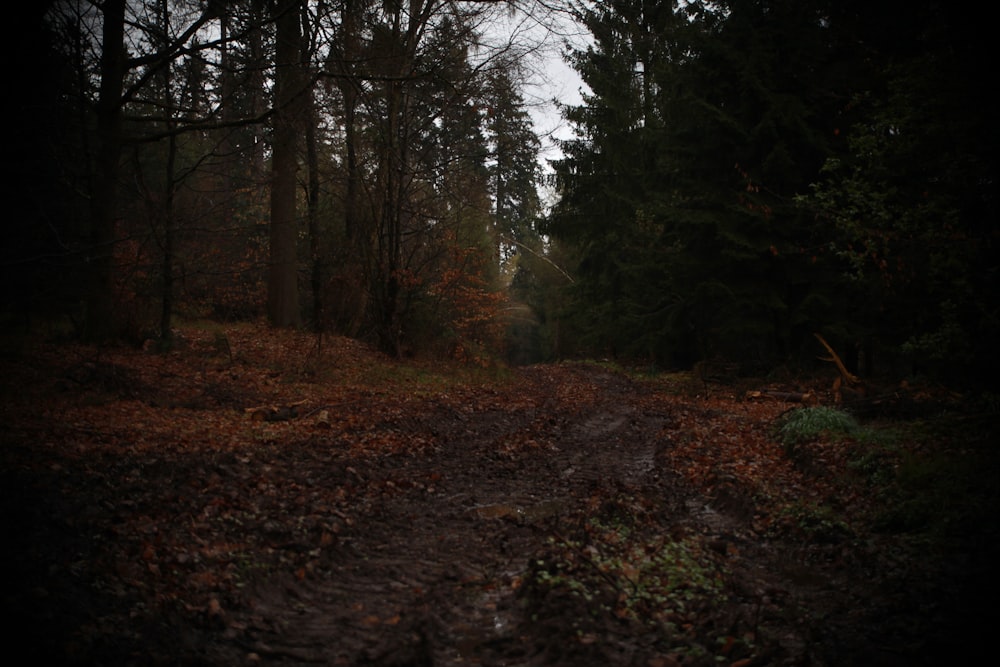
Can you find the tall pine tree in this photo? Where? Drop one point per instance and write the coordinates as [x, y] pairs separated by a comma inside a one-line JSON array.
[[705, 120]]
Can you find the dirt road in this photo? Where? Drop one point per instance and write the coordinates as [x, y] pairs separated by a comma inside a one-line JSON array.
[[569, 515], [429, 572]]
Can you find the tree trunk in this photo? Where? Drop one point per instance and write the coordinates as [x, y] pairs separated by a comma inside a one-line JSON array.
[[394, 159], [356, 269], [167, 296], [283, 288], [317, 261], [256, 81], [100, 316]]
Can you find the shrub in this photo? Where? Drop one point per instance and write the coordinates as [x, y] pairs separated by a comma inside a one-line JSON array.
[[804, 424]]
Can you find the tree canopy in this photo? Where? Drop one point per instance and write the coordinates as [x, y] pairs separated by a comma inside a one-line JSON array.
[[218, 154], [742, 174], [747, 172]]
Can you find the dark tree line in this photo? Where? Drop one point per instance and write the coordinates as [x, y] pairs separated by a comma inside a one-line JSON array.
[[320, 162], [744, 173], [748, 172]]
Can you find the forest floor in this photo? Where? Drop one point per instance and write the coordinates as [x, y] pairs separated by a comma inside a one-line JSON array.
[[382, 513]]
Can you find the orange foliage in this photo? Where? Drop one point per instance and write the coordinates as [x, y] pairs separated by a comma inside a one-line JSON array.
[[470, 307]]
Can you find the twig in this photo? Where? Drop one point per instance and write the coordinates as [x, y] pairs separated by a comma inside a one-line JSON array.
[[541, 257]]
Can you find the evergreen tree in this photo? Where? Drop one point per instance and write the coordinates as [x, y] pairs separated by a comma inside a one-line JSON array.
[[514, 175], [514, 170], [705, 120], [911, 198], [608, 177], [751, 129]]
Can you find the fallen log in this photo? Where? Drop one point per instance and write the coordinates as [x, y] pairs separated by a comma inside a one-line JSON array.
[[274, 413], [806, 398]]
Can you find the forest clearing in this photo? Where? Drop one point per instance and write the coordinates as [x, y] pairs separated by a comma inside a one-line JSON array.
[[261, 496]]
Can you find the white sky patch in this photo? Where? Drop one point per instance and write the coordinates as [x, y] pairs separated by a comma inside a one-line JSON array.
[[551, 82], [561, 86]]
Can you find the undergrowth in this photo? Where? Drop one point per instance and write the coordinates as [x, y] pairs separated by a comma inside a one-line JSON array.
[[934, 478], [622, 573], [804, 424]]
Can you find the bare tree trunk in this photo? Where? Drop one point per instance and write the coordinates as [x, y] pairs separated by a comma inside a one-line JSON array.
[[401, 54], [100, 317], [317, 261], [390, 256], [167, 296], [354, 271], [256, 83], [283, 288]]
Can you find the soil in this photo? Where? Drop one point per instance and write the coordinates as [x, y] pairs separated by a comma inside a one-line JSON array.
[[149, 520]]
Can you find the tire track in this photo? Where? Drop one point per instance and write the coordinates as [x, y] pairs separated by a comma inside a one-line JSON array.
[[430, 578]]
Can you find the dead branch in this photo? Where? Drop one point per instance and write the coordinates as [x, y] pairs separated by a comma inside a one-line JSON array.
[[275, 413], [806, 398], [847, 385], [847, 376]]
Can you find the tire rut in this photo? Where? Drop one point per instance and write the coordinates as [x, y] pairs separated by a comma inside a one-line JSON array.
[[430, 578]]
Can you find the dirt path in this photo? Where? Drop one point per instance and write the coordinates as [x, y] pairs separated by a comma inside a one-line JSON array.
[[567, 516], [428, 574]]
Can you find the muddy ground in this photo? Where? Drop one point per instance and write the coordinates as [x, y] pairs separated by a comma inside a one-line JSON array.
[[543, 519]]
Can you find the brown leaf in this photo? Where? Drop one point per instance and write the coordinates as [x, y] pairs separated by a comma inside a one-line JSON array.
[[214, 608]]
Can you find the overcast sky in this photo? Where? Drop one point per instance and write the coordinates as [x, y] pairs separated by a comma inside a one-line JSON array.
[[552, 80], [561, 85]]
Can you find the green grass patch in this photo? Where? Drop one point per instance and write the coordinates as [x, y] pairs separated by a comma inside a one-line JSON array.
[[806, 424]]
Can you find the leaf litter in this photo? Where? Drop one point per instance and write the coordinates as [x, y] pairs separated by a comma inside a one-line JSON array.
[[429, 514]]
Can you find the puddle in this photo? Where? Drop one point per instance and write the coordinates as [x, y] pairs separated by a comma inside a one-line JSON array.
[[490, 622], [714, 521], [497, 511], [531, 513], [641, 465]]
